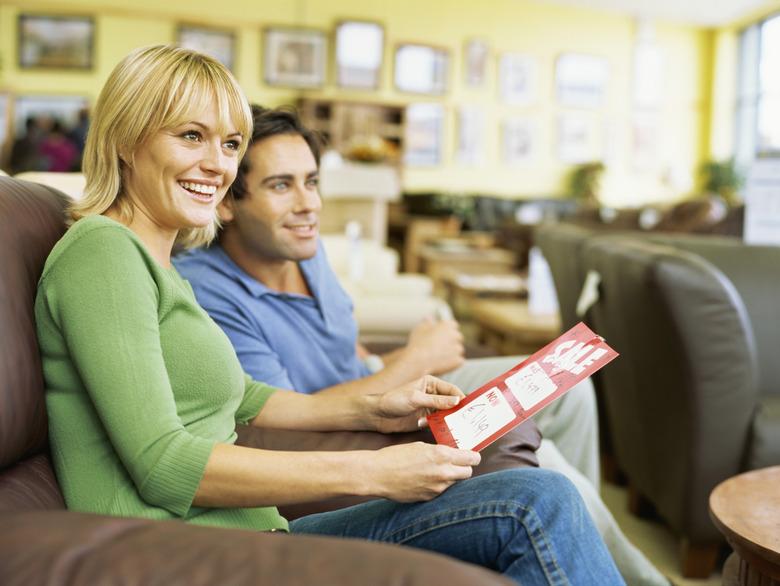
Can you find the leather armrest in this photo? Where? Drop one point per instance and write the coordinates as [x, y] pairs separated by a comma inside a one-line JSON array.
[[60, 547], [516, 449]]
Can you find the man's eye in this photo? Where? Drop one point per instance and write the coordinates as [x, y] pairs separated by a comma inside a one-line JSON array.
[[313, 183], [279, 186]]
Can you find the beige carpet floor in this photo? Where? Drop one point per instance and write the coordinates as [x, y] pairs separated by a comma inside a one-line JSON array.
[[652, 538]]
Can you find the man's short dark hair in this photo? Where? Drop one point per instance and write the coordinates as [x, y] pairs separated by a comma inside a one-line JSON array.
[[268, 122]]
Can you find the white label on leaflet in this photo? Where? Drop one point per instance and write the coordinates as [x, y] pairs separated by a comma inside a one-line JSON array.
[[531, 385], [479, 419]]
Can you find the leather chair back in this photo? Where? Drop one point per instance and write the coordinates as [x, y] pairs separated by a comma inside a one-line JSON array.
[[682, 395], [31, 221]]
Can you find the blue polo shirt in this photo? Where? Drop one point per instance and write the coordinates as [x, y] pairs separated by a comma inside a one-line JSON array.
[[283, 339]]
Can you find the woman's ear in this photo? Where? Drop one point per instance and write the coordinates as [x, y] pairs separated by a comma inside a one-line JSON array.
[[225, 209]]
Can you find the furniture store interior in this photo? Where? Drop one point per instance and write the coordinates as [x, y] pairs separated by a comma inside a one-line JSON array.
[[564, 213]]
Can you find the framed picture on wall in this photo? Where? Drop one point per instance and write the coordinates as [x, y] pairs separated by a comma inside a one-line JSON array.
[[581, 81], [578, 138], [359, 50], [471, 135], [63, 109], [55, 42], [517, 79], [421, 69], [424, 135], [218, 43], [475, 61], [295, 57], [518, 140]]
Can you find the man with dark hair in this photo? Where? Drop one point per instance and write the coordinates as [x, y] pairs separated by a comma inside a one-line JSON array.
[[268, 284]]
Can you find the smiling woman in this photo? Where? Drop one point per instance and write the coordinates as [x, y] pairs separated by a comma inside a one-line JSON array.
[[150, 103]]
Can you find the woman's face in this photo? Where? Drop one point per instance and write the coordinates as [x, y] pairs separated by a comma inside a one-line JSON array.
[[179, 175]]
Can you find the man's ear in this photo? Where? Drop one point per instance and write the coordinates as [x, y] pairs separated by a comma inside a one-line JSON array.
[[226, 209]]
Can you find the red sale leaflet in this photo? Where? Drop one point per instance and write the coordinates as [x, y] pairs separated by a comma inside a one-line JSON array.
[[511, 398]]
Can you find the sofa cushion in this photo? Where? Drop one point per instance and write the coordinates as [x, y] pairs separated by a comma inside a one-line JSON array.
[[31, 221]]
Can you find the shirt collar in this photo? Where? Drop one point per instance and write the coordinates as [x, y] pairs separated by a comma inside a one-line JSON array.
[[255, 287]]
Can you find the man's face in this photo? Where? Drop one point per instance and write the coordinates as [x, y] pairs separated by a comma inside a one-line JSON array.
[[278, 218]]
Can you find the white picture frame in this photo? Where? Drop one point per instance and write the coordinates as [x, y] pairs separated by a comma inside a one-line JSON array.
[[471, 125], [475, 60], [581, 80], [424, 135], [519, 141], [421, 69], [517, 79], [359, 53]]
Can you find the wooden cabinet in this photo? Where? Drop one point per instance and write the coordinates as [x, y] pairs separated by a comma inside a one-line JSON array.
[[340, 121]]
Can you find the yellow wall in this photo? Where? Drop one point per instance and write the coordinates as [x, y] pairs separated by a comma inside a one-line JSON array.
[[543, 31]]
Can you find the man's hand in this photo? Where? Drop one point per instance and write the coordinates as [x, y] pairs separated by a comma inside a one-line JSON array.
[[405, 408], [435, 347], [418, 471]]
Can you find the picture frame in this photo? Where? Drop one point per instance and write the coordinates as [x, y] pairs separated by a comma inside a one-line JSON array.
[[216, 42], [359, 54], [517, 79], [581, 80], [295, 57], [55, 42], [424, 135], [475, 59], [471, 135], [64, 108], [578, 138], [421, 69], [519, 141]]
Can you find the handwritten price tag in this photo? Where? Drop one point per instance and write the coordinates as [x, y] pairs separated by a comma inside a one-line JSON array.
[[511, 398]]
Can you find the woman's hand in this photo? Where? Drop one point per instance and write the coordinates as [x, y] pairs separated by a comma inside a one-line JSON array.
[[418, 471], [405, 408]]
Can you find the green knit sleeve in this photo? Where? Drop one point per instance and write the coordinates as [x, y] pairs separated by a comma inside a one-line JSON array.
[[102, 297], [255, 396]]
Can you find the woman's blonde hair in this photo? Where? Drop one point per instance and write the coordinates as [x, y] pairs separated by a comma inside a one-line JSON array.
[[152, 89]]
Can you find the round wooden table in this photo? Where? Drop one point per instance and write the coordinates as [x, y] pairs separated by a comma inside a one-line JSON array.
[[746, 509]]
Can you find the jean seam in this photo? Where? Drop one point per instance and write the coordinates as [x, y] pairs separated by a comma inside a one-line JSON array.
[[502, 509]]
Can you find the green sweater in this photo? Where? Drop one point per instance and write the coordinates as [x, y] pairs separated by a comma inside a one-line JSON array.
[[140, 382]]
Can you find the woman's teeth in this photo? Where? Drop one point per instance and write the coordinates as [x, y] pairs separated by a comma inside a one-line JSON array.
[[199, 188]]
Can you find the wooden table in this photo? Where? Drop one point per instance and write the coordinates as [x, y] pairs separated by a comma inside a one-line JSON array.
[[436, 261], [508, 326], [746, 509]]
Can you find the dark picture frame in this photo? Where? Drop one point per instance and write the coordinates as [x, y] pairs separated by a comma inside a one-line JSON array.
[[55, 42], [295, 57], [219, 43], [359, 54]]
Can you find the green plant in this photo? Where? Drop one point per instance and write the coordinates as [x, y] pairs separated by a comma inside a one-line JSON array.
[[584, 182], [723, 178]]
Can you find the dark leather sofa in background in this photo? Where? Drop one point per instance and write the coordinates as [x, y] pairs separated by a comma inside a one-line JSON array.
[[43, 543], [694, 397]]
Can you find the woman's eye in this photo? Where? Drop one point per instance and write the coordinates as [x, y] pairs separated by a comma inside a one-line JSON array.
[[233, 145], [191, 135]]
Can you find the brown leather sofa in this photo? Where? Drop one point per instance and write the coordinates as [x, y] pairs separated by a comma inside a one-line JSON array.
[[694, 397], [42, 542]]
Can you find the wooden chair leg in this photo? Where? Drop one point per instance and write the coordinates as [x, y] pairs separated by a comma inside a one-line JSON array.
[[610, 471], [698, 559], [638, 504]]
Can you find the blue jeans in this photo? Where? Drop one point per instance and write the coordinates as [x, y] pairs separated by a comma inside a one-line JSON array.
[[526, 523]]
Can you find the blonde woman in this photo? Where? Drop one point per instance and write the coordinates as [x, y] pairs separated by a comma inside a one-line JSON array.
[[144, 390]]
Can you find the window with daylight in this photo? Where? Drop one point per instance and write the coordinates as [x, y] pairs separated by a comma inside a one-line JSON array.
[[758, 98]]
